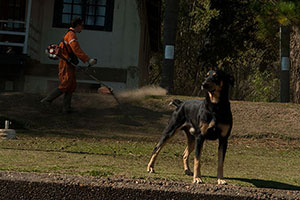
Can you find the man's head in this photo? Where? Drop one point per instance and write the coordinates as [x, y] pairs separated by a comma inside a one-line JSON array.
[[77, 24]]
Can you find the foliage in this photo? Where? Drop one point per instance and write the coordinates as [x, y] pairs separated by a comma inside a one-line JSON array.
[[194, 20], [263, 87], [238, 36], [284, 12], [226, 39], [271, 14]]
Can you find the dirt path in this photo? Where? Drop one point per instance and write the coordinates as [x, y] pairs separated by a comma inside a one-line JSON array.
[[16, 185]]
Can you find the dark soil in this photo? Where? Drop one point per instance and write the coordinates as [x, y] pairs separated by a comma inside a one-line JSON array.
[[16, 185]]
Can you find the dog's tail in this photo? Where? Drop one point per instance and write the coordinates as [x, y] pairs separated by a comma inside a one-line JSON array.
[[176, 102]]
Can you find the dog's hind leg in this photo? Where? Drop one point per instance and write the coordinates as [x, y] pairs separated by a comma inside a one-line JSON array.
[[176, 122], [190, 147]]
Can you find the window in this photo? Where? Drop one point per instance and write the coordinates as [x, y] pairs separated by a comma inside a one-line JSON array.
[[12, 10], [97, 14]]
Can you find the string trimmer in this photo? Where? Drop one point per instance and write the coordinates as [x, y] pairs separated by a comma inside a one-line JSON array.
[[54, 53]]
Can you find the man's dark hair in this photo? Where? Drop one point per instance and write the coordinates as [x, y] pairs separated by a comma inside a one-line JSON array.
[[76, 21]]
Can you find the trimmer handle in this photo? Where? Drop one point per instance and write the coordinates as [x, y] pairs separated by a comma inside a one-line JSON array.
[[95, 63]]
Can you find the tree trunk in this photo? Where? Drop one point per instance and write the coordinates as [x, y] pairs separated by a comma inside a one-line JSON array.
[[170, 26], [295, 64], [285, 32]]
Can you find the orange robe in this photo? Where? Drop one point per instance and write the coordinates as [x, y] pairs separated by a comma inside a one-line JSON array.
[[66, 72]]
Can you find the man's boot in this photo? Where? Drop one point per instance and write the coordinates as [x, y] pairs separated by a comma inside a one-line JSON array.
[[53, 95], [67, 103]]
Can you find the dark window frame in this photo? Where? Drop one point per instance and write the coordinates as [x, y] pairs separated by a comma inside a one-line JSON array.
[[108, 17]]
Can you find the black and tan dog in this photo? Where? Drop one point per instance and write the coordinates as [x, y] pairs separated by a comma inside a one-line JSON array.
[[210, 119]]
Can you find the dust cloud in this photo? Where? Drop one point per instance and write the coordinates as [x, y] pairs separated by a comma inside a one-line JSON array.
[[140, 93]]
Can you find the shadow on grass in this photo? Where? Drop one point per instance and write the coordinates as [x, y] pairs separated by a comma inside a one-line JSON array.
[[267, 184], [129, 117], [80, 135]]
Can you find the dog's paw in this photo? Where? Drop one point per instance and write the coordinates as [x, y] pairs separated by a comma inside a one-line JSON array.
[[150, 170], [188, 172], [192, 130], [198, 181], [222, 182]]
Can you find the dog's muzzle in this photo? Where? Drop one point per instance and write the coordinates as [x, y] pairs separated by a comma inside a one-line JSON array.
[[204, 86], [208, 87]]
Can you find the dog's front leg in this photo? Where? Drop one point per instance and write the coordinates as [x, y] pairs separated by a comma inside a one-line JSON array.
[[223, 142], [221, 157], [197, 166]]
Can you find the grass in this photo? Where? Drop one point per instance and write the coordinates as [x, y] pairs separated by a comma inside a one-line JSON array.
[[247, 163], [262, 151]]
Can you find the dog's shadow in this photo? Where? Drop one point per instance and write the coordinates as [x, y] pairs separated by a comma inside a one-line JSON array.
[[267, 184], [263, 183]]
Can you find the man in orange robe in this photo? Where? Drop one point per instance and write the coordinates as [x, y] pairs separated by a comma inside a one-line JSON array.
[[71, 51]]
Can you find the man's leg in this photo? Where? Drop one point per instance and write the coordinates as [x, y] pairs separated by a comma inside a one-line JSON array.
[[67, 102], [53, 95]]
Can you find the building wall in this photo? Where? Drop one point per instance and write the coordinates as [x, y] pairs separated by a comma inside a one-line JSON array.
[[35, 30], [118, 49]]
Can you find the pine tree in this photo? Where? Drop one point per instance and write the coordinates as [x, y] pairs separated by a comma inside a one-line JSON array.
[[282, 15]]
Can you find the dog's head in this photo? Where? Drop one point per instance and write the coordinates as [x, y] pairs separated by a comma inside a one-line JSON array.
[[216, 84]]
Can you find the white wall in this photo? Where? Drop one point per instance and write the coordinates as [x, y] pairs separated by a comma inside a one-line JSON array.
[[116, 49]]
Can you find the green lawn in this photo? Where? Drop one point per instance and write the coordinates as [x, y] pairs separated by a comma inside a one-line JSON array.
[[105, 140], [248, 162]]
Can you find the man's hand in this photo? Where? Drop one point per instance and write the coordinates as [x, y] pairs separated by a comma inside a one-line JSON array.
[[92, 61]]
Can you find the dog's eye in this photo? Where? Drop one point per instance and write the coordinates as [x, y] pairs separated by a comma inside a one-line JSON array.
[[207, 74], [214, 74]]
